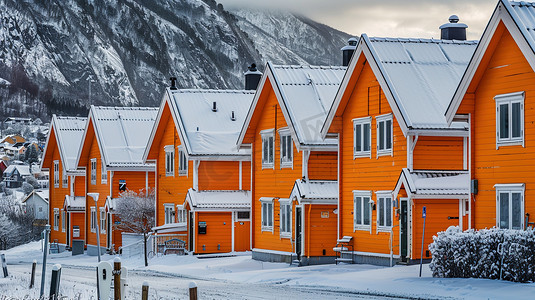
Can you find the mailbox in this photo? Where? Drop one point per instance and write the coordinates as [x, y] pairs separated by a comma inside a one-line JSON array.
[[202, 228], [75, 231]]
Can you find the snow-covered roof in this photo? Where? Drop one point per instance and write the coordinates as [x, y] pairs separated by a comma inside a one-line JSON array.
[[523, 14], [123, 133], [69, 132], [41, 194], [315, 191], [307, 93], [209, 132], [219, 200], [171, 227], [74, 203], [434, 183], [422, 75], [24, 170]]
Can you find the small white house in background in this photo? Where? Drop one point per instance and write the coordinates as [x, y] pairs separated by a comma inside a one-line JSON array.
[[37, 202]]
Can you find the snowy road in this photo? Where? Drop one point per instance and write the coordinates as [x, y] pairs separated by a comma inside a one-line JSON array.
[[79, 283]]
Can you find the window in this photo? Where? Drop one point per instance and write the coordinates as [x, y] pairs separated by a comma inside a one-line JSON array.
[[93, 219], [509, 119], [93, 171], [181, 214], [267, 214], [362, 137], [384, 134], [63, 220], [285, 218], [169, 211], [169, 160], [56, 173], [268, 148], [56, 219], [64, 179], [103, 173], [244, 216], [510, 206], [384, 210], [102, 220], [362, 210], [286, 150], [182, 163]]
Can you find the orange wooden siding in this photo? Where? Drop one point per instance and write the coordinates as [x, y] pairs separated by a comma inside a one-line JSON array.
[[448, 149], [320, 230], [368, 173], [322, 166], [135, 181], [79, 185], [218, 232], [223, 175], [503, 70], [56, 197], [437, 213], [170, 189], [77, 219]]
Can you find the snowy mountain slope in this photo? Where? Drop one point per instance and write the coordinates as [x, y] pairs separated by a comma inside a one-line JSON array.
[[130, 48]]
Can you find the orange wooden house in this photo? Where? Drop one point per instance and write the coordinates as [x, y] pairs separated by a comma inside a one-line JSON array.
[[496, 92], [67, 182], [397, 152], [203, 180], [111, 152], [294, 170]]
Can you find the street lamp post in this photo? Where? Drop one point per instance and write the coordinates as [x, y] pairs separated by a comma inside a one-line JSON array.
[[95, 198]]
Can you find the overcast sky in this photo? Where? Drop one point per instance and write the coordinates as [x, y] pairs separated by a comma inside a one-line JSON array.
[[384, 18]]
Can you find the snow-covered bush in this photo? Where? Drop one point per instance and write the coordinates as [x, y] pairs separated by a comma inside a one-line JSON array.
[[478, 254]]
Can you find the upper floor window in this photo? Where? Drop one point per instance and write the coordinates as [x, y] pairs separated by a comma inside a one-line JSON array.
[[510, 119], [102, 220], [56, 219], [64, 179], [285, 217], [181, 214], [362, 137], [56, 173], [362, 207], [384, 211], [169, 160], [183, 162], [384, 134], [509, 206], [267, 214], [103, 173], [93, 170], [286, 148], [63, 220], [169, 212], [268, 148]]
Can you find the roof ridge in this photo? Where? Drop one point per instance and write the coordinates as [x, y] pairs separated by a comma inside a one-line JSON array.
[[228, 91], [324, 67], [522, 3], [421, 40], [71, 118], [126, 108]]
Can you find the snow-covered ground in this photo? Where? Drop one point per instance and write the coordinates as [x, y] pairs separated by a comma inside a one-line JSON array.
[[240, 277]]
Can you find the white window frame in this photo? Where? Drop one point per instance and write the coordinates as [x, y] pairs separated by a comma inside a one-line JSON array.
[[378, 120], [509, 99], [64, 179], [169, 213], [510, 189], [103, 173], [102, 218], [286, 161], [169, 160], [181, 214], [363, 206], [93, 219], [382, 197], [182, 161], [56, 173], [56, 219], [265, 135], [63, 217], [285, 209], [362, 122], [93, 170], [267, 205], [243, 219]]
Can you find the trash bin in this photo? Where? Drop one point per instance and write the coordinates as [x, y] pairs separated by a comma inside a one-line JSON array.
[[77, 247]]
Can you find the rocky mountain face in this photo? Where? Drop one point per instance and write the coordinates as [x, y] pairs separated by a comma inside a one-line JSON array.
[[60, 56]]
